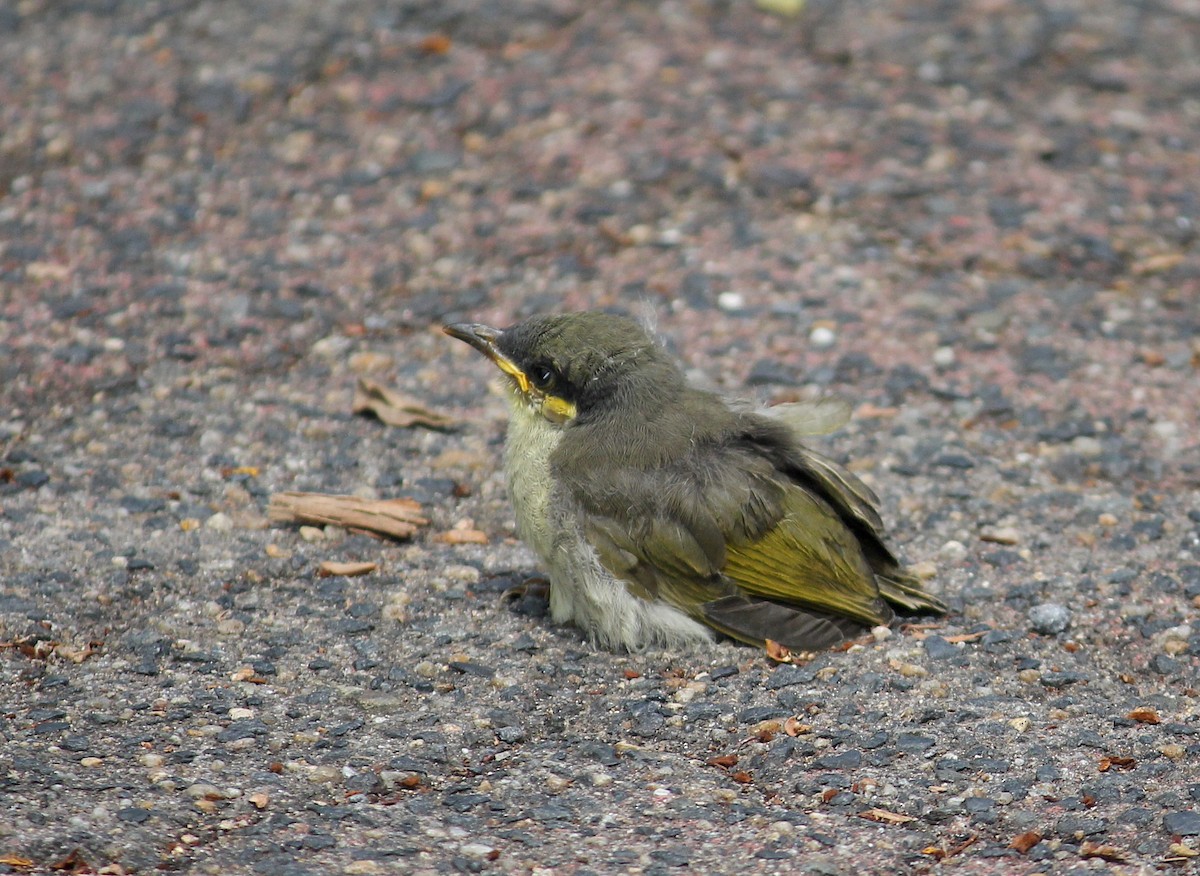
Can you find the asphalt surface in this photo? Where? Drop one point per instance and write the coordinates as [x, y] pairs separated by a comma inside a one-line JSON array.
[[976, 220]]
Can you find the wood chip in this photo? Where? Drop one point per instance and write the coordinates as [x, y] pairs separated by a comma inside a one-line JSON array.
[[396, 409], [348, 570], [883, 816], [397, 518], [966, 637]]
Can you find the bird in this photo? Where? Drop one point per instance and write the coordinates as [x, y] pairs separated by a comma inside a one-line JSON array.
[[667, 517]]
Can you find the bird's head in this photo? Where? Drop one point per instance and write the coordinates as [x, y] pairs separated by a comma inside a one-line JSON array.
[[575, 365]]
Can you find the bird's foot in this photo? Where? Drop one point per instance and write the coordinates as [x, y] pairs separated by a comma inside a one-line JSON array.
[[531, 596]]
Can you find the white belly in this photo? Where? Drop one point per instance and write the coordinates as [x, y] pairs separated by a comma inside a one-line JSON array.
[[581, 589]]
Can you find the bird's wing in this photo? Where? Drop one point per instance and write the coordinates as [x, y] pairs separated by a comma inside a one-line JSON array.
[[810, 558], [736, 543], [817, 417]]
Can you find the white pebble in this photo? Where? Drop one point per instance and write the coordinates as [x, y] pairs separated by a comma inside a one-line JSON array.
[[1049, 618], [219, 522], [822, 337], [728, 301], [465, 574], [952, 550]]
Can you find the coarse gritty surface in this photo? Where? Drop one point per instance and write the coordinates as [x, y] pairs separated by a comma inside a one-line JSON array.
[[977, 219]]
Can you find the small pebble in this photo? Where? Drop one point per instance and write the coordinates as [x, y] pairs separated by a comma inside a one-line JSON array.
[[822, 337], [1000, 535], [1185, 823], [231, 626], [1049, 618], [731, 301], [219, 522], [465, 574], [325, 775], [939, 649], [943, 357], [952, 551]]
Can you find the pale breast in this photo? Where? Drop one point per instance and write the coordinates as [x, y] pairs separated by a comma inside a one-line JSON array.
[[581, 589], [531, 440]]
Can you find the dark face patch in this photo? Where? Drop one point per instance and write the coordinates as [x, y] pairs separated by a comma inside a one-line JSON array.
[[584, 358]]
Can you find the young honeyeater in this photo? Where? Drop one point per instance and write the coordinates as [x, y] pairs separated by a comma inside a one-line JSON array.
[[664, 516]]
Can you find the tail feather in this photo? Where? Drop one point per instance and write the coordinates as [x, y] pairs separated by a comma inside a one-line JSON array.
[[754, 621], [905, 591]]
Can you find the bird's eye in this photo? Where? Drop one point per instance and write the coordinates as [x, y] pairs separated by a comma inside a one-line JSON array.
[[543, 376]]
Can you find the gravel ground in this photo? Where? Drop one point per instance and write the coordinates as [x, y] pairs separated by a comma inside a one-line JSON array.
[[977, 219]]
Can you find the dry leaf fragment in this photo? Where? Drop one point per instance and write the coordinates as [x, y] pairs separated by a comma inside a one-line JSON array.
[[398, 518], [793, 727], [942, 853], [348, 570], [16, 862], [435, 44], [883, 816], [73, 863], [785, 8], [78, 655], [742, 777], [396, 409], [250, 471], [1144, 715], [1023, 842], [1157, 264], [778, 652], [1111, 761], [724, 761], [869, 411], [461, 536], [1105, 852]]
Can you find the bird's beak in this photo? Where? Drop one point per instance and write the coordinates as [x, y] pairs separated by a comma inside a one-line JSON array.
[[483, 338]]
